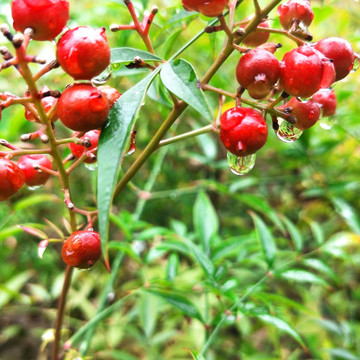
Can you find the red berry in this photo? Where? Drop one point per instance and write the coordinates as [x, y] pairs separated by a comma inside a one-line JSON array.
[[82, 249], [327, 100], [83, 52], [110, 94], [301, 72], [82, 107], [243, 131], [257, 71], [306, 113], [340, 52], [257, 37], [48, 103], [208, 8], [12, 178], [46, 17], [295, 11], [35, 177], [78, 150]]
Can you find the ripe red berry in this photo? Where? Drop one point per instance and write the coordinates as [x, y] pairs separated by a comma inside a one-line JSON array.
[[257, 71], [208, 8], [83, 52], [110, 94], [82, 249], [306, 113], [340, 52], [12, 178], [33, 176], [295, 11], [46, 17], [243, 130], [82, 107], [48, 103], [78, 150], [258, 37], [327, 100], [301, 72]]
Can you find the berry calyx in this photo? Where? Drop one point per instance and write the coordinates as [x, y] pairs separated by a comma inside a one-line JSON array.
[[83, 52], [29, 165], [110, 93], [257, 71], [243, 130], [327, 100], [306, 113], [78, 150], [208, 8], [298, 11], [46, 18], [340, 52], [12, 179], [82, 107], [257, 37], [82, 249]]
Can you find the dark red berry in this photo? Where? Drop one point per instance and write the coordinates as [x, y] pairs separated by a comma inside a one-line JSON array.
[[257, 71], [298, 11], [257, 37], [301, 72], [82, 107], [111, 94], [243, 131], [208, 8], [327, 100], [48, 103], [46, 17], [82, 249], [306, 113], [340, 52], [35, 176], [78, 150], [12, 178], [83, 52]]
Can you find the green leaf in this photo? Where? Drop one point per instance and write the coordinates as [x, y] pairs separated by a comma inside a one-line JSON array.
[[294, 233], [179, 77], [266, 239], [148, 311], [124, 248], [35, 200], [321, 267], [127, 55], [282, 326], [172, 267], [347, 213], [179, 301], [196, 356], [206, 221], [112, 146], [342, 354], [12, 287], [302, 276], [317, 232]]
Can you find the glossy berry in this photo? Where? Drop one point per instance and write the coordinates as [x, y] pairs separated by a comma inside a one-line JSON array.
[[243, 131], [301, 72], [306, 113], [78, 150], [33, 176], [257, 71], [83, 52], [48, 103], [257, 37], [12, 178], [340, 52], [82, 107], [327, 100], [208, 8], [111, 94], [82, 249], [295, 11], [46, 17]]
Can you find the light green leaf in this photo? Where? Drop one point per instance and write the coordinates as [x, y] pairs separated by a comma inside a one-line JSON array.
[[321, 267], [148, 311], [347, 213], [302, 276], [127, 55], [172, 267], [294, 233]]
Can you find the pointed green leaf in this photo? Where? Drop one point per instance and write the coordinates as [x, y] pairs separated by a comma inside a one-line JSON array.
[[302, 276], [180, 78], [148, 311], [294, 233], [266, 239], [206, 221], [196, 356], [179, 301], [317, 232], [347, 213], [172, 267], [127, 55], [321, 267], [112, 146]]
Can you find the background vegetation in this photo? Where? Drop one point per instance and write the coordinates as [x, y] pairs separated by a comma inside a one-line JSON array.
[[264, 266]]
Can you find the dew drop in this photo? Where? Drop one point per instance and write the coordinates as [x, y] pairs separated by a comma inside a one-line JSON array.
[[240, 165], [36, 187], [91, 167], [103, 77], [287, 132], [356, 65], [327, 123]]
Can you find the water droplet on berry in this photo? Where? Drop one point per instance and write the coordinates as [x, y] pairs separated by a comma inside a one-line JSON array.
[[356, 65], [287, 132], [240, 165], [327, 123], [36, 187], [103, 77], [92, 166]]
